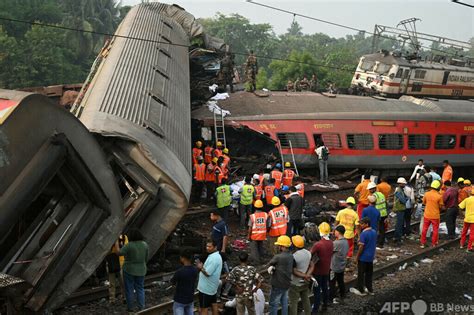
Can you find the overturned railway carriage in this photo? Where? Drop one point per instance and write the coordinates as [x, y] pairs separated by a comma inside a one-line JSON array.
[[359, 131], [60, 210], [391, 75]]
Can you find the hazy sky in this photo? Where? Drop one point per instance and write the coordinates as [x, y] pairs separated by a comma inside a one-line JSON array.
[[439, 17]]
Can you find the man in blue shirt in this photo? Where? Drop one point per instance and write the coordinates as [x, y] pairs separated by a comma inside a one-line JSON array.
[[209, 275], [365, 258], [185, 281], [372, 213], [220, 230]]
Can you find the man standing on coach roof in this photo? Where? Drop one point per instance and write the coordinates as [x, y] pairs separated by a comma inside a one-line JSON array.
[[209, 274]]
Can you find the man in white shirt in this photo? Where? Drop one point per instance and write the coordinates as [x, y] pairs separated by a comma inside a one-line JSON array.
[[322, 152], [419, 166]]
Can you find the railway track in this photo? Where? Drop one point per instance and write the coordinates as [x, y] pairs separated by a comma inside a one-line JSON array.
[[167, 307]]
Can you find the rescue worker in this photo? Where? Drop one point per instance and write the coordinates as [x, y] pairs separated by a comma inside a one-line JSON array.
[[381, 206], [281, 268], [300, 188], [211, 179], [220, 170], [208, 152], [384, 187], [199, 178], [322, 250], [223, 199], [350, 220], [258, 193], [270, 191], [258, 225], [447, 172], [450, 201], [468, 205], [226, 160], [284, 193], [461, 193], [277, 175], [218, 150], [301, 276], [294, 203], [361, 193], [251, 69], [419, 166], [278, 222], [246, 201], [433, 202], [399, 207], [466, 189], [197, 151], [288, 175], [227, 71]]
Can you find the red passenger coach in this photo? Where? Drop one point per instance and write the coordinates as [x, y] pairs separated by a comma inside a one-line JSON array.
[[359, 131]]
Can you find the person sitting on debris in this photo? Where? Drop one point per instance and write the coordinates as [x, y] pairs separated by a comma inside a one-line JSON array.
[[301, 277], [361, 193], [246, 201], [365, 259], [209, 274], [223, 199], [257, 235], [288, 175], [433, 202], [185, 280], [468, 205], [281, 268], [246, 281], [338, 264], [278, 222], [372, 213], [277, 175], [350, 220], [134, 269], [322, 252], [294, 204]]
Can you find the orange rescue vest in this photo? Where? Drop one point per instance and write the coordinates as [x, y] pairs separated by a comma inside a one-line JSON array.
[[279, 217], [259, 226], [288, 175], [258, 193], [220, 174], [217, 153], [196, 153], [301, 191], [210, 173], [200, 172], [208, 154], [269, 193], [277, 175]]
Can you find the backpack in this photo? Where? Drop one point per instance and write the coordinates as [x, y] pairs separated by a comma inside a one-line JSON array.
[[325, 153]]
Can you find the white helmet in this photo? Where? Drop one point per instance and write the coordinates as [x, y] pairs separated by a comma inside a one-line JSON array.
[[371, 185], [401, 180]]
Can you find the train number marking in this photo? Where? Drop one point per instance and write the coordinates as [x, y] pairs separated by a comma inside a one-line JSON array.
[[323, 126], [468, 128], [267, 127], [456, 92]]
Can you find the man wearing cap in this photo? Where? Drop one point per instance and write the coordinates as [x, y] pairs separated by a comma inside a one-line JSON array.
[[399, 207], [218, 150], [278, 218], [223, 199], [365, 259], [461, 193], [288, 175], [418, 167], [466, 190], [322, 253], [433, 202], [381, 206], [372, 213], [258, 225], [301, 276], [468, 205], [350, 220], [361, 193], [447, 172], [197, 152], [277, 175], [338, 264], [450, 200], [281, 269]]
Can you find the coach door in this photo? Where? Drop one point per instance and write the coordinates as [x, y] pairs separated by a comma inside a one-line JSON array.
[[404, 81]]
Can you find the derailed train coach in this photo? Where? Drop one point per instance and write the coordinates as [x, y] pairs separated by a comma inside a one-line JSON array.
[[72, 182]]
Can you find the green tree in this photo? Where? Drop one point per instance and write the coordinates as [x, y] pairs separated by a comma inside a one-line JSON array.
[[262, 79], [8, 59]]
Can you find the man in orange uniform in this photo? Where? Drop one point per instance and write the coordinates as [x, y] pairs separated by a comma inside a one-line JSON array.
[[350, 220], [197, 152], [218, 150], [433, 202], [466, 190], [288, 175], [361, 193], [447, 172], [384, 187], [270, 192], [468, 205], [461, 193], [277, 175], [211, 179], [199, 177], [258, 193], [300, 188], [278, 222], [208, 153], [226, 161], [258, 225]]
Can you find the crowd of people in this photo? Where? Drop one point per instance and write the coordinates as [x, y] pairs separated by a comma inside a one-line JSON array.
[[303, 84]]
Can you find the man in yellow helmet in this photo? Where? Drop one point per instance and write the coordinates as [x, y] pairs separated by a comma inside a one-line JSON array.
[[322, 249], [433, 202], [281, 269], [218, 150], [197, 152], [301, 276], [288, 175], [258, 225], [279, 218], [350, 220]]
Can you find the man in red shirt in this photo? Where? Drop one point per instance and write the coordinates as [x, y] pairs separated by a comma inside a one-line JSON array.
[[322, 252]]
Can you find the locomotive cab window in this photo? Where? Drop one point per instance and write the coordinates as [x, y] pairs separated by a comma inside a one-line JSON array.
[[331, 140], [467, 142], [390, 141], [419, 142], [445, 142], [360, 141], [399, 73], [297, 140]]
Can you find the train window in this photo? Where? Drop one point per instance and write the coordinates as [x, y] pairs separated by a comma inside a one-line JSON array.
[[419, 142], [331, 140], [297, 139], [406, 74], [445, 142], [382, 68], [360, 141], [467, 142], [399, 73], [367, 65], [390, 141], [420, 74], [416, 87]]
